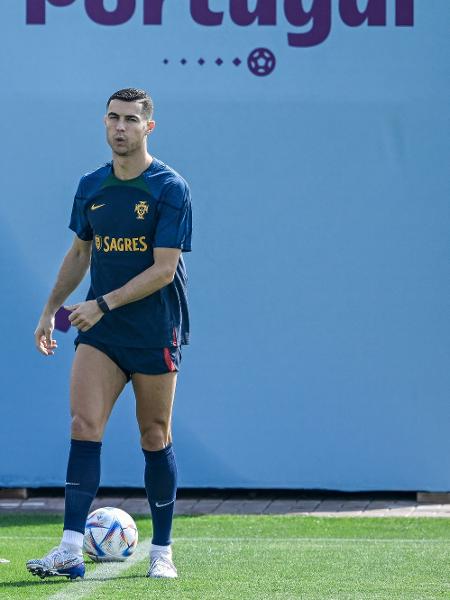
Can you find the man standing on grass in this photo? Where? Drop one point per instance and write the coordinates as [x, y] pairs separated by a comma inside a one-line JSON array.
[[132, 219]]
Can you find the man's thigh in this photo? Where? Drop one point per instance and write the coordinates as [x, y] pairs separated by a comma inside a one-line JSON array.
[[96, 383], [154, 401]]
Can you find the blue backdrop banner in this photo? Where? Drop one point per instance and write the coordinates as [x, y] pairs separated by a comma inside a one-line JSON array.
[[314, 136]]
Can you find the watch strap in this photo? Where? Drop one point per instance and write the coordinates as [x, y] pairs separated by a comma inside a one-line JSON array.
[[102, 304]]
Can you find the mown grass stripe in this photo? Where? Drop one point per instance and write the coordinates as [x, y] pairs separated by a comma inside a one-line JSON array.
[[103, 573], [30, 537], [261, 539]]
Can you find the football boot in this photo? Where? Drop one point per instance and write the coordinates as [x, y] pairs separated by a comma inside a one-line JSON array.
[[58, 562]]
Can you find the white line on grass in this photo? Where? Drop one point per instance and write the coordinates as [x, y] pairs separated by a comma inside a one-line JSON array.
[[17, 538], [101, 574]]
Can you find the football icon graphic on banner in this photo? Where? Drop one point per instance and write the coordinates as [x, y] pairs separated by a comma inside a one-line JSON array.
[[261, 61]]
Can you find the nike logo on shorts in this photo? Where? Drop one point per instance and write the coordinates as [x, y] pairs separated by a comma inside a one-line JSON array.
[[95, 206], [70, 483]]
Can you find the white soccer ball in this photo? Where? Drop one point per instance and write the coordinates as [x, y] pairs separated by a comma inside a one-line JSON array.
[[110, 535]]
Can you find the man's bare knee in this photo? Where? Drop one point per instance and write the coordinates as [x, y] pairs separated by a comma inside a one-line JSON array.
[[84, 429], [155, 436]]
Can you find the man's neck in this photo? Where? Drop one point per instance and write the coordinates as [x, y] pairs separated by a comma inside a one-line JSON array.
[[129, 167]]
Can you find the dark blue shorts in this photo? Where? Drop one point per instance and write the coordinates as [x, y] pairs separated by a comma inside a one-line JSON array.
[[149, 361]]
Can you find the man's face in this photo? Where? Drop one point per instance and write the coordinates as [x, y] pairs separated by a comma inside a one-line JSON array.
[[126, 127]]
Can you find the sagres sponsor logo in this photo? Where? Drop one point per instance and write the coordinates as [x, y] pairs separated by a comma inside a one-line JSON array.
[[141, 209], [107, 243]]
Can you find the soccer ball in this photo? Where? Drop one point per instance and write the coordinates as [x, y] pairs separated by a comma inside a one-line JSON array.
[[110, 535]]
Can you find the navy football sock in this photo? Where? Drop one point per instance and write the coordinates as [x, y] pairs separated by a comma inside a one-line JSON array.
[[82, 481], [161, 487]]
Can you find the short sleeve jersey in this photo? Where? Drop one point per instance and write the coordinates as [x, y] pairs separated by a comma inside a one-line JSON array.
[[126, 220]]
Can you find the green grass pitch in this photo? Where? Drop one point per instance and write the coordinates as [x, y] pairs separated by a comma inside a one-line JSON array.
[[251, 558]]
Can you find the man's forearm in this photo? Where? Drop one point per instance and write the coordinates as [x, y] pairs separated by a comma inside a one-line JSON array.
[[72, 271], [148, 282]]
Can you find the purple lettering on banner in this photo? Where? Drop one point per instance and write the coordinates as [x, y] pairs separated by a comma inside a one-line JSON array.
[[404, 13], [122, 13], [374, 13], [203, 15], [320, 15], [153, 12], [36, 10], [265, 12]]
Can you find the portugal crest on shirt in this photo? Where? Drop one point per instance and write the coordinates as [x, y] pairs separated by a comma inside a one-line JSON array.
[[141, 209]]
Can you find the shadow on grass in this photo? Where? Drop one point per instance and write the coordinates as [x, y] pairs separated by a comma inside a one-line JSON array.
[[115, 577], [25, 519], [30, 583], [27, 583], [18, 519]]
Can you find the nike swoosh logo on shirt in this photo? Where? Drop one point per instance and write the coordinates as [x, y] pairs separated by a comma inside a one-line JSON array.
[[95, 206]]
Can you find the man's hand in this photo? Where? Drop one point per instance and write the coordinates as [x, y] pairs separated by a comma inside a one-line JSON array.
[[43, 335], [85, 314]]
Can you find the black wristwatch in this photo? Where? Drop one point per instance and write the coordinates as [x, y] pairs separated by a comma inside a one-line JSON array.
[[102, 303]]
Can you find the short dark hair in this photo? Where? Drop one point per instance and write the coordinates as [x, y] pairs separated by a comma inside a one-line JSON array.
[[133, 95]]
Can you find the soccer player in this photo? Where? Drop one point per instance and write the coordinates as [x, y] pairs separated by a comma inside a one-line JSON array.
[[132, 220]]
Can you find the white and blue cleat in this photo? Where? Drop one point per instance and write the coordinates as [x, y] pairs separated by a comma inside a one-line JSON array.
[[58, 563], [162, 567]]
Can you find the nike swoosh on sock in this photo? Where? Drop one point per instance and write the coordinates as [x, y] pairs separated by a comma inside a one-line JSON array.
[[161, 504]]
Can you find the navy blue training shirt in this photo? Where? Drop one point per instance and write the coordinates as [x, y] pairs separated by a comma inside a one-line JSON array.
[[126, 220]]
